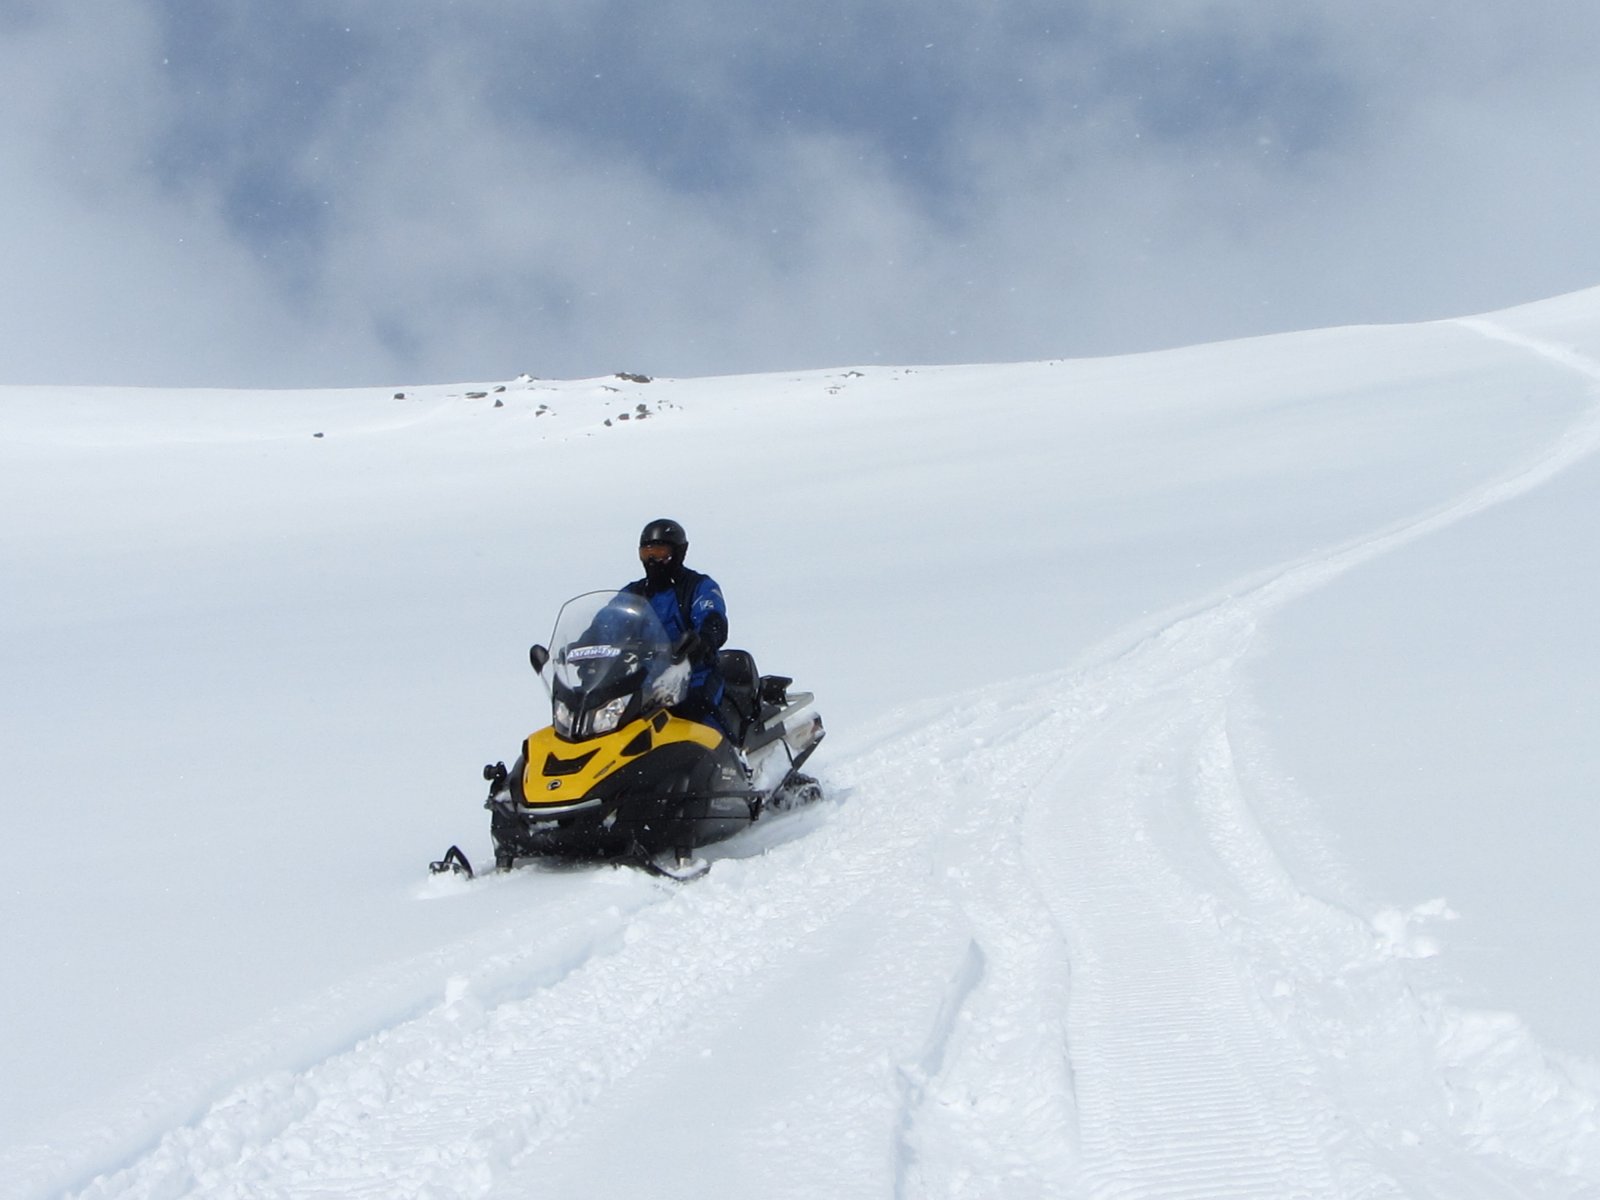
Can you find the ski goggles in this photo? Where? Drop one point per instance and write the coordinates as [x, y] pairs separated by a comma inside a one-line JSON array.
[[655, 552]]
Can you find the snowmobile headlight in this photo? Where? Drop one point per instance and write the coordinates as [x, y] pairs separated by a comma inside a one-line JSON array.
[[563, 716], [607, 716]]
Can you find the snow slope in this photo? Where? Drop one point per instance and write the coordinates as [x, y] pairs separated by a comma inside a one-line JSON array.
[[1210, 813]]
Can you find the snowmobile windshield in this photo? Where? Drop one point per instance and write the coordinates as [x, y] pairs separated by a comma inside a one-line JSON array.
[[610, 662]]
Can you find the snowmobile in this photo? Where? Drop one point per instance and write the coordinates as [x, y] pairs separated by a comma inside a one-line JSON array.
[[619, 774]]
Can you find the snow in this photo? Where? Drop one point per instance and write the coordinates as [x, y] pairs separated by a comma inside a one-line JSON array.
[[1210, 783]]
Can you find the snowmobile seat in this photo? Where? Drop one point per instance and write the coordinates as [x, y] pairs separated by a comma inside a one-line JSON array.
[[741, 698]]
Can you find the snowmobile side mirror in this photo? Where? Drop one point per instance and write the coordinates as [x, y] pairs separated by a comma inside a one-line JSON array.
[[538, 656]]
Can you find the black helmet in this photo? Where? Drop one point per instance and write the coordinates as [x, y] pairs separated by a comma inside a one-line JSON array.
[[662, 569], [665, 531]]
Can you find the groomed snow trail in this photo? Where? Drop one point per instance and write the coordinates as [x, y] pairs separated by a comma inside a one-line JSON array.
[[1041, 946]]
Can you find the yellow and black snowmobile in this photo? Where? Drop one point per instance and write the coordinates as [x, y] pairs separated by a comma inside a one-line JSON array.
[[620, 773]]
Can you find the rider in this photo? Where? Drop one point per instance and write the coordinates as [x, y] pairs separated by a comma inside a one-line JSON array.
[[688, 603]]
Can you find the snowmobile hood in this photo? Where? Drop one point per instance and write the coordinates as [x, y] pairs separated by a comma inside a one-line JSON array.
[[560, 772]]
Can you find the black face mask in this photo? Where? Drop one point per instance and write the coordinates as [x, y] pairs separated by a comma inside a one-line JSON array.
[[660, 574]]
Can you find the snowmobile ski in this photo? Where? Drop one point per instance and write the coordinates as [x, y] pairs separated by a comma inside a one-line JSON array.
[[686, 869], [453, 862]]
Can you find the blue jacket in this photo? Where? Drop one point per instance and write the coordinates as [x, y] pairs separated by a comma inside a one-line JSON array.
[[695, 602]]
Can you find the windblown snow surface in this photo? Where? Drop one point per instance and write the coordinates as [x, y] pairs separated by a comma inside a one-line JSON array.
[[1211, 783]]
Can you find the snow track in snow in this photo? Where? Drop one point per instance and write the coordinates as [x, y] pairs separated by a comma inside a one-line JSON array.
[[1210, 1015], [1198, 1074], [1101, 980]]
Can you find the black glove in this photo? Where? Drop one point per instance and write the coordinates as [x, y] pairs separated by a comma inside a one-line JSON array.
[[687, 647], [714, 631]]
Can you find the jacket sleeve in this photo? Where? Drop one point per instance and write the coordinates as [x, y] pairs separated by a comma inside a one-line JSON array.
[[709, 615]]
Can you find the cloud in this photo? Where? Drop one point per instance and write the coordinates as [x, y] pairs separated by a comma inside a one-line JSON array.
[[112, 278], [332, 193]]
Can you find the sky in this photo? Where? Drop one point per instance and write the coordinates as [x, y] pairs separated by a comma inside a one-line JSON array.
[[336, 193]]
